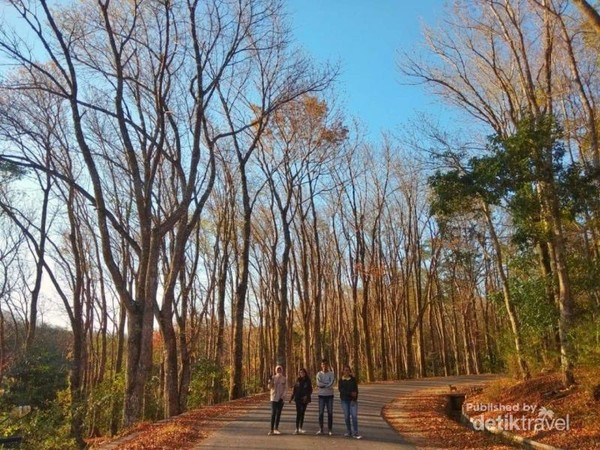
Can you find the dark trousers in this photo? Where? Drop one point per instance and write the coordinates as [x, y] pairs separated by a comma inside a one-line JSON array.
[[326, 401], [276, 408], [300, 410]]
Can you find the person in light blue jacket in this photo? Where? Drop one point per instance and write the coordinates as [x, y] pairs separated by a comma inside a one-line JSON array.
[[325, 383]]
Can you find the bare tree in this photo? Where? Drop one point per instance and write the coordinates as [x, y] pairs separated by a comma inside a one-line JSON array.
[[140, 82], [298, 149], [277, 76]]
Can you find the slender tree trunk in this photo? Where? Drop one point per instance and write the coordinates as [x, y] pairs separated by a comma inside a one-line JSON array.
[[218, 389], [40, 250], [565, 299], [455, 349], [508, 302], [282, 328], [114, 417], [317, 272], [383, 331], [445, 347]]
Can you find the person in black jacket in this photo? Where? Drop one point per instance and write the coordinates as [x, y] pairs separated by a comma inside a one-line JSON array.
[[348, 388], [301, 395]]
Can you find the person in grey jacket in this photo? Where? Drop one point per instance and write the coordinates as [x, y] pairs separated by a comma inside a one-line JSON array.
[[325, 382]]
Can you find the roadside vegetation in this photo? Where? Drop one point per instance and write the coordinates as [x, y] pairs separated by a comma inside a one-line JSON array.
[[579, 403]]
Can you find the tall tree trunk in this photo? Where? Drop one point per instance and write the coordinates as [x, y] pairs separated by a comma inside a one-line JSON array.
[[139, 360], [114, 417], [170, 366], [40, 250], [565, 299], [282, 328], [383, 331], [218, 389], [508, 302], [236, 388]]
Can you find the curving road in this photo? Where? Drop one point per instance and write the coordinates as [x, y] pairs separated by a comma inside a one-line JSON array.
[[250, 430]]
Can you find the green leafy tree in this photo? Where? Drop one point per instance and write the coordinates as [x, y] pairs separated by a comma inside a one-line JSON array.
[[35, 377], [525, 173], [470, 190]]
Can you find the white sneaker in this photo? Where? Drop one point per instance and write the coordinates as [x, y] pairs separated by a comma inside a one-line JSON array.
[[330, 433], [270, 433], [296, 431], [347, 435], [320, 432], [357, 436], [301, 431], [276, 432]]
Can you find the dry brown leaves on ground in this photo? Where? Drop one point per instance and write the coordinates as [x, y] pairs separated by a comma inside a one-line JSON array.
[[421, 418], [551, 401], [183, 431]]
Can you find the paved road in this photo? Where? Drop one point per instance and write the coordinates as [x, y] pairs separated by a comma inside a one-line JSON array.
[[250, 430]]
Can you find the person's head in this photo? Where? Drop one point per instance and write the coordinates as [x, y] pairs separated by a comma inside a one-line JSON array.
[[325, 365], [346, 370], [302, 373], [279, 370]]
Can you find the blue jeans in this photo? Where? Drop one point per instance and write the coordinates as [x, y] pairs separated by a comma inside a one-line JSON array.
[[323, 402], [350, 409]]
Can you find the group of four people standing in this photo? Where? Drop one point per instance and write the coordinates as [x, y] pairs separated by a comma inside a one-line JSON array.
[[301, 395]]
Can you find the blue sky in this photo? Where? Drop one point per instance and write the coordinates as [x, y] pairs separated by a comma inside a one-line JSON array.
[[364, 36]]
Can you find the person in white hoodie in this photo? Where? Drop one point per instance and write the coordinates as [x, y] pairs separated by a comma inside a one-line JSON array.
[[325, 382], [278, 386]]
